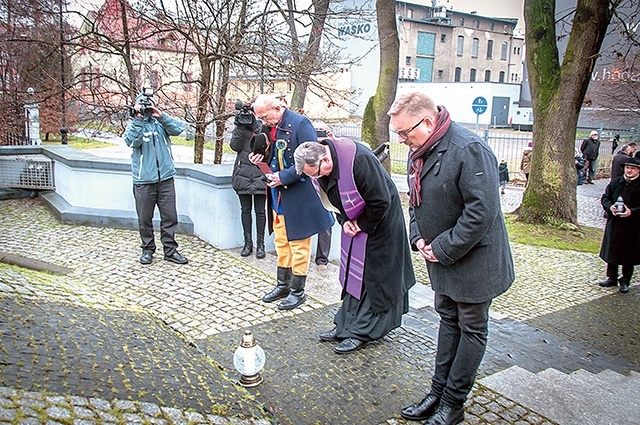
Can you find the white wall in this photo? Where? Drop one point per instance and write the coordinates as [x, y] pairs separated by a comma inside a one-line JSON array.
[[458, 97]]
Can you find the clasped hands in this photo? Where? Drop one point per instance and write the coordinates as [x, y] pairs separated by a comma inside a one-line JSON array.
[[351, 228], [426, 251]]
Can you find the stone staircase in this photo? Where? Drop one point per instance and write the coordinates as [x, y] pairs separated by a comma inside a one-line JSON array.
[[577, 398]]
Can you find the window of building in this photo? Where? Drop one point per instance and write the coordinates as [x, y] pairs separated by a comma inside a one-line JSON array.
[[187, 80], [472, 75], [505, 49], [154, 79], [491, 26], [462, 22], [443, 38], [501, 78], [487, 76], [474, 48], [410, 13], [440, 72], [407, 60], [506, 29], [426, 43], [458, 75], [476, 23], [460, 48], [490, 49]]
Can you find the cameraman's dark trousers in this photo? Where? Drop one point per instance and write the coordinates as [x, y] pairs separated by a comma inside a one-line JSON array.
[[163, 195]]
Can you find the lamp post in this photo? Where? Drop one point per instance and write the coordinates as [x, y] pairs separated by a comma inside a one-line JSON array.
[[63, 129], [249, 360]]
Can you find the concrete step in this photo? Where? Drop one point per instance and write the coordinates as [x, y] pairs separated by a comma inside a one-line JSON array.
[[578, 398]]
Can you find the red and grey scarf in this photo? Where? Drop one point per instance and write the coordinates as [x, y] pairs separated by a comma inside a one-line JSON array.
[[419, 155]]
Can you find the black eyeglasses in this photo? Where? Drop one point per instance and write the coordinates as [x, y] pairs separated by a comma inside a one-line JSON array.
[[405, 134]]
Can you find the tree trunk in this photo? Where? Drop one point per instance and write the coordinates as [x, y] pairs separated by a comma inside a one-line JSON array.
[[375, 125], [557, 92], [307, 62], [202, 109]]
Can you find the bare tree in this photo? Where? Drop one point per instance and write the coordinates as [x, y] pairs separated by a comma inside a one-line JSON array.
[[375, 126], [31, 57]]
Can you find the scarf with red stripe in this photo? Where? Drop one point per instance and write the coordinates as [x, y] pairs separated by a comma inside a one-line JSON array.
[[419, 155]]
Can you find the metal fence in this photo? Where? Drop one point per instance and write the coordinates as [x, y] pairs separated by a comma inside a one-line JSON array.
[[26, 172], [13, 139], [507, 145]]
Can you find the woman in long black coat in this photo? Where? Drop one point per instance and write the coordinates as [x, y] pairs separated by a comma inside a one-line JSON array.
[[251, 189], [620, 242]]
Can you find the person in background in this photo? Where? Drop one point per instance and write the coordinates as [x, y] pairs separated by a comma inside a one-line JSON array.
[[619, 159], [153, 171], [456, 225], [247, 181], [294, 207], [324, 238], [375, 267], [525, 162], [620, 242], [590, 149], [503, 175], [615, 140], [579, 164]]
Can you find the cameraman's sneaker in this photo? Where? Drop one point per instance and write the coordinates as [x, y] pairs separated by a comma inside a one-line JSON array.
[[624, 287], [176, 258]]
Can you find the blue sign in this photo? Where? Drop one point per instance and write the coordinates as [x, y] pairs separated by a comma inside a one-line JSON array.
[[479, 105]]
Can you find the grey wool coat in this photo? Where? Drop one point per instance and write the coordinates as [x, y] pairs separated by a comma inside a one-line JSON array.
[[460, 216]]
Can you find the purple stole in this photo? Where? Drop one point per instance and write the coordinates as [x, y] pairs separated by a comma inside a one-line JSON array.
[[352, 249]]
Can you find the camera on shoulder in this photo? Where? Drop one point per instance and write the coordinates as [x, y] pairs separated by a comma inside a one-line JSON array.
[[245, 115]]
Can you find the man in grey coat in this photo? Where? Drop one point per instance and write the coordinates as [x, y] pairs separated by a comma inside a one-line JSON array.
[[457, 226]]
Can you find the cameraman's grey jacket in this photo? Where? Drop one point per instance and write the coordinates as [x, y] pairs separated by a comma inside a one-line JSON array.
[[152, 159], [460, 216]]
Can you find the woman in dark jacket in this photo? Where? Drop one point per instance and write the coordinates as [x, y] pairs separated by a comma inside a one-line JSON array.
[[251, 189]]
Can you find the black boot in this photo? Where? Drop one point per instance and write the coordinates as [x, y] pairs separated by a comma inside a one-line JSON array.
[[296, 296], [282, 285], [248, 246], [260, 247]]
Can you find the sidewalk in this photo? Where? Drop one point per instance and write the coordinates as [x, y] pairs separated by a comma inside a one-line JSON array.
[[114, 341]]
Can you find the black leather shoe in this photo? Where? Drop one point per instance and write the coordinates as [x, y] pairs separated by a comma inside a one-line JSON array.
[[624, 286], [349, 345], [446, 415], [422, 410], [146, 258], [608, 283], [176, 258], [329, 335]]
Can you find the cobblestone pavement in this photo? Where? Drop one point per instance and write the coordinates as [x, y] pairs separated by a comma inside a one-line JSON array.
[[118, 342]]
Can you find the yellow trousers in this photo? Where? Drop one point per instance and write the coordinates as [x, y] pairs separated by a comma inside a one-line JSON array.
[[293, 254]]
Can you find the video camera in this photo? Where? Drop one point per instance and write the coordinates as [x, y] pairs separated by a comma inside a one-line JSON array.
[[146, 101], [245, 116]]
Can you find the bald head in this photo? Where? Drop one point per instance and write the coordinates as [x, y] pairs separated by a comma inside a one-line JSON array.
[[268, 109]]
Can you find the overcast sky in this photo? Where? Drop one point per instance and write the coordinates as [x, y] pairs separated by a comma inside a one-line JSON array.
[[491, 8]]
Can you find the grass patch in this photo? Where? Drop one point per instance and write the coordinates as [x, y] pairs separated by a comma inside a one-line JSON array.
[[586, 239], [181, 141], [79, 142]]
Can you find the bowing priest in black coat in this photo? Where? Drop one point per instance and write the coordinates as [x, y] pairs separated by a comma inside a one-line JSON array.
[[375, 266]]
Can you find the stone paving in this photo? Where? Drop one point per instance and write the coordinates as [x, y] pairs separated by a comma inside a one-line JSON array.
[[117, 342]]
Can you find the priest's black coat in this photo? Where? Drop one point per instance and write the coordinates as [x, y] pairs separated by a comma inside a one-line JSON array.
[[388, 270]]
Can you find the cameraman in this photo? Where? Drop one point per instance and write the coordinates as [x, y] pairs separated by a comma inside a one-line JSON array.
[[247, 180], [153, 171]]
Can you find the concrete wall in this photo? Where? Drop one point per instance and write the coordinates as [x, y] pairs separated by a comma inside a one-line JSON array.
[[98, 191]]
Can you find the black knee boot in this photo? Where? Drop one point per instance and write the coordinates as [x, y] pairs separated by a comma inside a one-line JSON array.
[[248, 246], [260, 247], [282, 285], [296, 295]]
